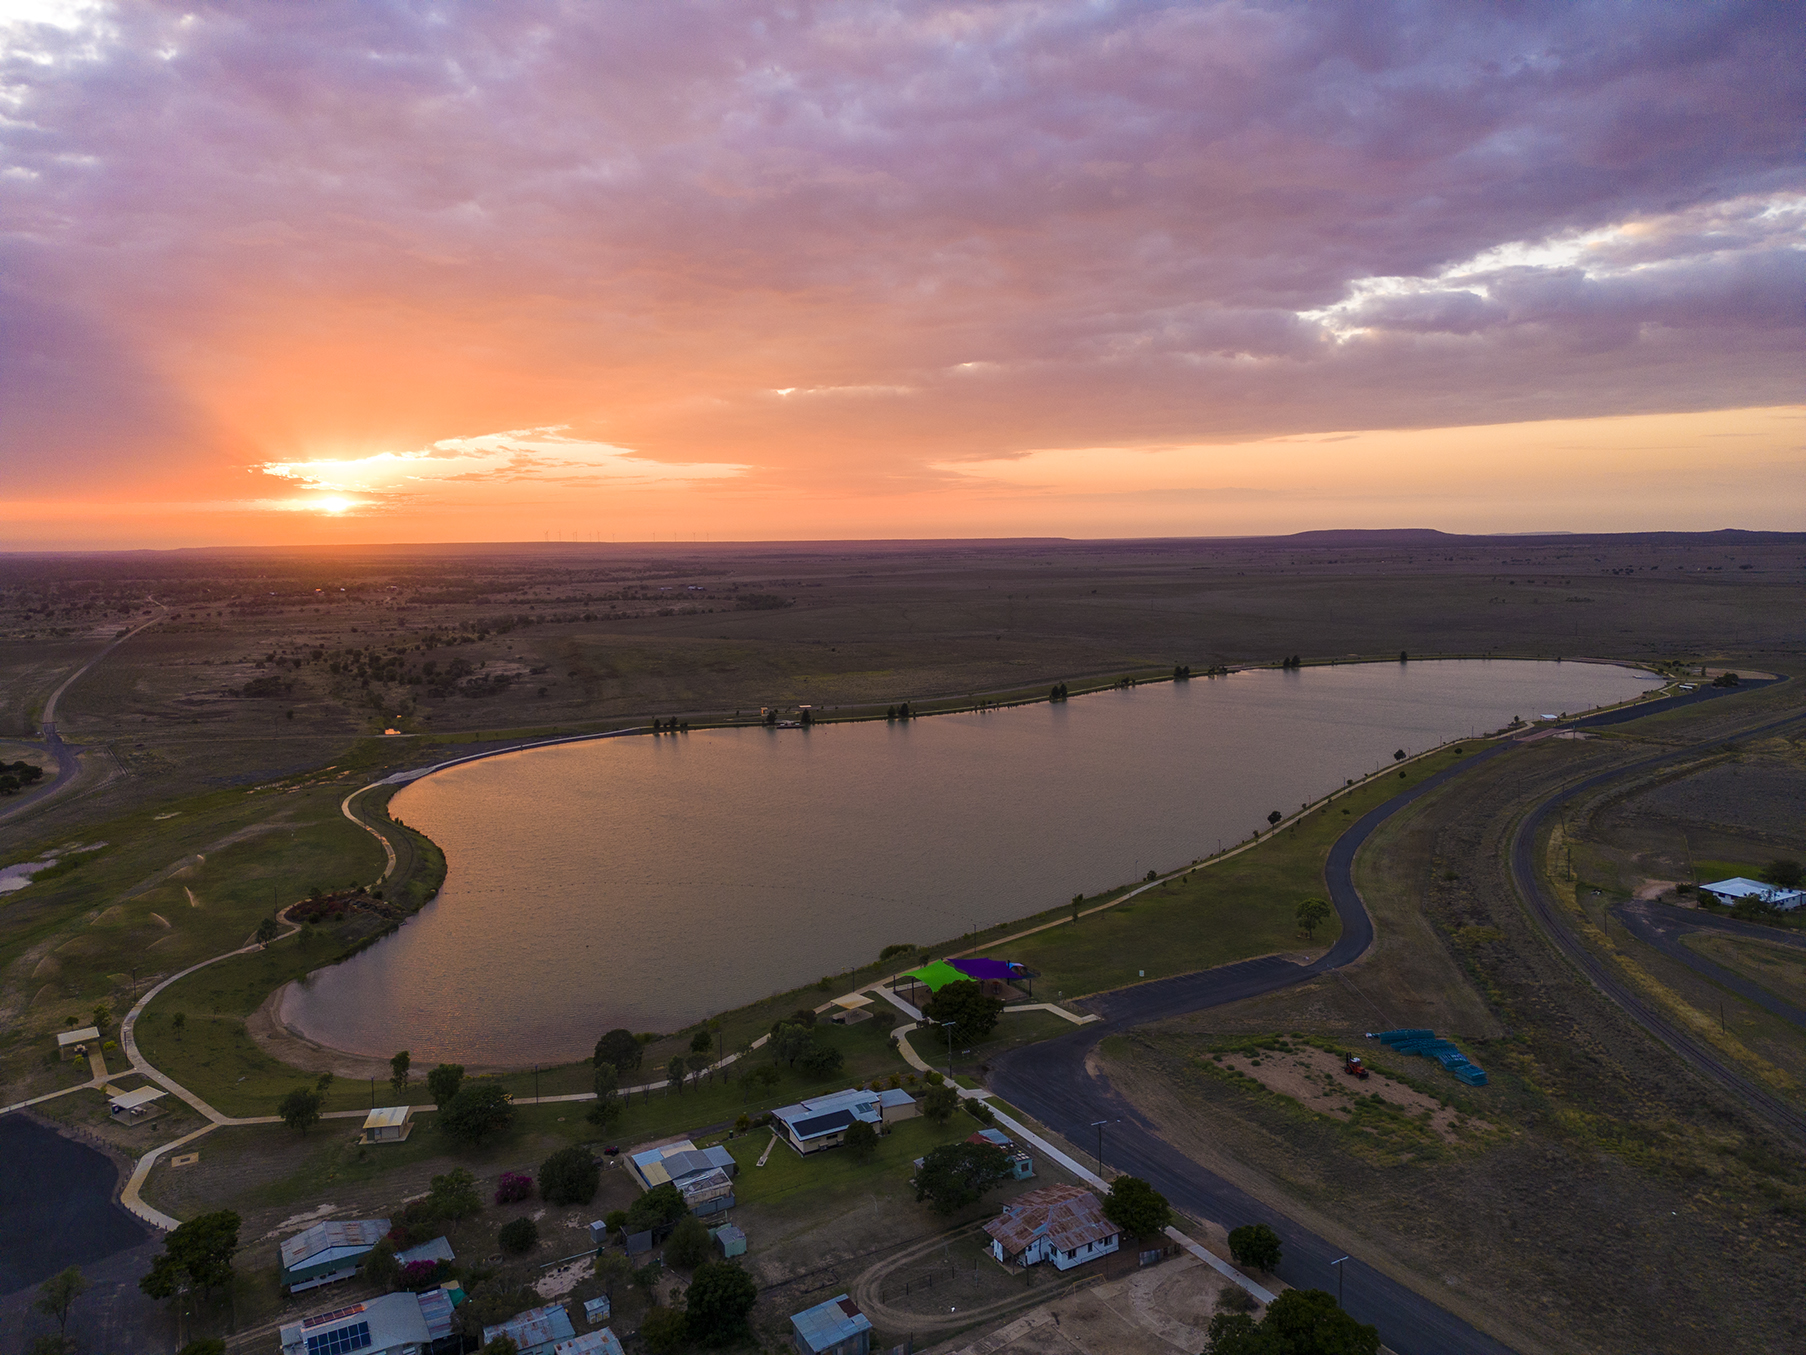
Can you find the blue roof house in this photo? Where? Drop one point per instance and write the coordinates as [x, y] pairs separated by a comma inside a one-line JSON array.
[[836, 1327]]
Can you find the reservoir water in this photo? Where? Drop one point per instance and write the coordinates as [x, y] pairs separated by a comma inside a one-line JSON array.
[[646, 882]]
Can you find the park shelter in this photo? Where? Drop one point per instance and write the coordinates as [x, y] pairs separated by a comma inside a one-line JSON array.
[[388, 1124], [852, 1009], [536, 1331], [993, 976], [71, 1043], [1062, 1224], [328, 1251], [1738, 888], [603, 1342], [936, 975], [836, 1327], [395, 1324], [121, 1102]]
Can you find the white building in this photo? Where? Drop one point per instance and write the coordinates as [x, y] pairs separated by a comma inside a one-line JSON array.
[[1062, 1224], [1737, 888]]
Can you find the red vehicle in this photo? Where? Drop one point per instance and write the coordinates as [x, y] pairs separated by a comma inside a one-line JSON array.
[[1352, 1065]]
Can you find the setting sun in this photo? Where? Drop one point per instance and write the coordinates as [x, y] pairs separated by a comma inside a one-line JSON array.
[[336, 504]]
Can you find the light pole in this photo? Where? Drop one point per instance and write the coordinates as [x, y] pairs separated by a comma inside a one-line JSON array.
[[1099, 1126], [948, 1027], [1337, 1263]]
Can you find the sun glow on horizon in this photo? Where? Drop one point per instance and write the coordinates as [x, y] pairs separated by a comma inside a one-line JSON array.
[[335, 504]]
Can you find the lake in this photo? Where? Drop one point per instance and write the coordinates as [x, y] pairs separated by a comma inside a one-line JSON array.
[[647, 882]]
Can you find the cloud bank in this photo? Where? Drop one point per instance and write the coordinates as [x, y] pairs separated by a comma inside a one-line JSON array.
[[842, 249]]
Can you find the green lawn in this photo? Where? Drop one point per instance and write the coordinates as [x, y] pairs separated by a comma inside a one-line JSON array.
[[836, 1172], [1217, 914]]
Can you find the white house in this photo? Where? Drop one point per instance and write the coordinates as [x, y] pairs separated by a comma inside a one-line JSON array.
[[1737, 888], [1062, 1224]]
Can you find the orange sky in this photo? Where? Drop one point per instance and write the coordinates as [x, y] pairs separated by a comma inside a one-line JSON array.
[[349, 274]]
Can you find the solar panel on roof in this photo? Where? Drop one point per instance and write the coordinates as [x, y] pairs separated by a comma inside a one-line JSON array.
[[340, 1341], [333, 1316]]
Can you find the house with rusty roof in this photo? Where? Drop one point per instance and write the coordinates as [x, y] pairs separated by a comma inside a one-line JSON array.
[[1062, 1224], [328, 1251], [538, 1331]]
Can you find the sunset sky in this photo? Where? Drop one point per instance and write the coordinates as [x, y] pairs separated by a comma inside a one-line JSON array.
[[372, 272]]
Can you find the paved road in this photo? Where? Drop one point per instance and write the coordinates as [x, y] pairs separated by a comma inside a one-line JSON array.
[[1051, 1082], [1666, 929]]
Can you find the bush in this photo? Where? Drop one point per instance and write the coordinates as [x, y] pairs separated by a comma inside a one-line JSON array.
[[513, 1188], [519, 1236], [689, 1244], [965, 1004], [664, 1330], [569, 1176], [379, 1264], [453, 1196], [939, 1104], [479, 1110], [419, 1275], [861, 1140], [1136, 1207], [656, 1208], [822, 1060], [957, 1174], [720, 1297]]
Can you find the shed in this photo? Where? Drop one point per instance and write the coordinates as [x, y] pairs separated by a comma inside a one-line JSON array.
[[536, 1331], [1022, 1166], [328, 1251], [121, 1103], [836, 1327], [603, 1342], [896, 1104], [730, 1239], [597, 1310], [71, 1043], [388, 1124]]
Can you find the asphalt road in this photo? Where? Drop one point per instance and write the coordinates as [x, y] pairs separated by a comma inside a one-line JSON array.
[[1051, 1081], [56, 1205], [1666, 929]]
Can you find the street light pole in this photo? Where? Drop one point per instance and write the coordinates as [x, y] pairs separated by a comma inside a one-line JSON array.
[[948, 1027], [1337, 1263], [1099, 1126]]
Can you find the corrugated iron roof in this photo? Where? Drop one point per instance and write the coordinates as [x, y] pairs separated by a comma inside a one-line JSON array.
[[535, 1327], [1066, 1216], [322, 1237], [828, 1324]]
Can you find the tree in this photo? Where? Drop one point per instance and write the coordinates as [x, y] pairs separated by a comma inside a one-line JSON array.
[[501, 1345], [688, 1246], [480, 1109], [1312, 914], [756, 1080], [398, 1072], [267, 930], [607, 1108], [379, 1264], [964, 1003], [621, 1048], [1136, 1207], [518, 1236], [200, 1250], [821, 1060], [300, 1109], [697, 1064], [957, 1174], [443, 1082], [664, 1329], [323, 1083], [1274, 818], [861, 1140], [1255, 1245], [58, 1294], [788, 1040], [612, 1271], [701, 1042], [454, 1195], [1298, 1322], [179, 1020], [939, 1103], [569, 1176], [674, 1072], [719, 1299], [1783, 872], [661, 1205], [1399, 756], [207, 1345]]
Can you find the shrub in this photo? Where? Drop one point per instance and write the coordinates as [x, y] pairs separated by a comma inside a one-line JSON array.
[[419, 1275], [513, 1188], [452, 1196], [689, 1244], [569, 1176], [518, 1236], [720, 1297], [1255, 1245], [861, 1140], [664, 1330]]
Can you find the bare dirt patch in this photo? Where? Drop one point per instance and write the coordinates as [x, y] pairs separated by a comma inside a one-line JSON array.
[[1314, 1078]]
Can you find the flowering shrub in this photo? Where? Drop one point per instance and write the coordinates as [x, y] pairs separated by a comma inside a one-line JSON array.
[[419, 1275], [514, 1187]]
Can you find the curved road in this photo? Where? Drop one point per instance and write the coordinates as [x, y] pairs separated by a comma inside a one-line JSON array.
[[1663, 928], [1051, 1081]]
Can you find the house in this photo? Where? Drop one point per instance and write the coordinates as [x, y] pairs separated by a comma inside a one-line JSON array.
[[821, 1121], [1737, 888], [328, 1251], [536, 1331], [677, 1161], [73, 1044], [836, 1327], [388, 1124], [603, 1342], [1062, 1224], [1022, 1166], [395, 1324]]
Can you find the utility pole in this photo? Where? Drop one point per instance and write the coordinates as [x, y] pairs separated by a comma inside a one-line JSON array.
[[1337, 1263], [1099, 1126], [948, 1027]]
